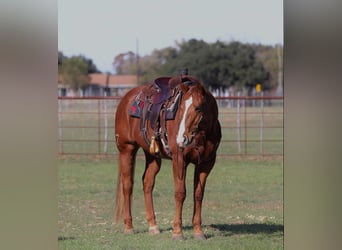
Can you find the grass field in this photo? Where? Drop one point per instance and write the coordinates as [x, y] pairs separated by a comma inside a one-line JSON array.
[[242, 208]]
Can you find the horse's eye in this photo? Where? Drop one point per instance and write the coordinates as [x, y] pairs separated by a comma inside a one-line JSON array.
[[198, 108]]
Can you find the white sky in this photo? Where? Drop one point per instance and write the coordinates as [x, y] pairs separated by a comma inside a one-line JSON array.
[[102, 29]]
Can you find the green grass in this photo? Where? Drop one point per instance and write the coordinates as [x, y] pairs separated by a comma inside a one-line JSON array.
[[242, 208]]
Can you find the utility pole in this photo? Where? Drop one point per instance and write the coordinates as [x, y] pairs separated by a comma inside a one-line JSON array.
[[280, 73], [137, 59]]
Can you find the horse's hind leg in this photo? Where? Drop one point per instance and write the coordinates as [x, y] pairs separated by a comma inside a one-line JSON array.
[[151, 170], [200, 177], [127, 165]]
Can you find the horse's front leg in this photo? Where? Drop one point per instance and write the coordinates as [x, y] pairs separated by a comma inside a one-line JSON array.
[[179, 174], [200, 177], [151, 170]]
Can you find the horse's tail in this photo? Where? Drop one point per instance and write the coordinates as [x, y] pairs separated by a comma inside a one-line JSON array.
[[118, 211]]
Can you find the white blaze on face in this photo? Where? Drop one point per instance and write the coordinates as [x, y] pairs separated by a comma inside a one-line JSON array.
[[181, 130]]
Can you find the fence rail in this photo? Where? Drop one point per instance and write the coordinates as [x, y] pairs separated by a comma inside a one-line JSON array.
[[251, 126]]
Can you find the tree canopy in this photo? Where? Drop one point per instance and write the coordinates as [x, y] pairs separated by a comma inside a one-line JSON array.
[[75, 70], [219, 65]]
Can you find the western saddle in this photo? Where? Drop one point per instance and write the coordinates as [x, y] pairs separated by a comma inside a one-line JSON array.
[[154, 105]]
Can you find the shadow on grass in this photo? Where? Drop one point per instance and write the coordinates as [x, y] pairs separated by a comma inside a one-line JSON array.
[[234, 229], [62, 238], [231, 229]]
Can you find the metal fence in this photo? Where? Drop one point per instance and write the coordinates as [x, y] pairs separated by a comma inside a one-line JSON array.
[[251, 126]]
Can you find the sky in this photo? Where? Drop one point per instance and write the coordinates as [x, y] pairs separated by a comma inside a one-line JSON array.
[[102, 29]]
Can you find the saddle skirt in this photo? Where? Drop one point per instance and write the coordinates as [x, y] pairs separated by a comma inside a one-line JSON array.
[[156, 102]]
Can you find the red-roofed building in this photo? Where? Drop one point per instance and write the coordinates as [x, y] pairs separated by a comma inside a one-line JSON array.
[[102, 85]]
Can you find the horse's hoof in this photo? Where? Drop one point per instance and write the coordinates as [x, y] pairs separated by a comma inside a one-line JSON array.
[[177, 237], [200, 236], [129, 231], [153, 230]]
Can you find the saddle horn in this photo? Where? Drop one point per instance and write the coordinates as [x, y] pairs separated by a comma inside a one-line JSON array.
[[184, 79], [184, 72]]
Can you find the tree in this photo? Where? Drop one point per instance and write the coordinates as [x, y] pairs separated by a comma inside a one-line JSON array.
[[246, 70], [61, 58], [155, 65], [269, 56], [192, 54], [91, 67], [75, 72], [219, 65], [124, 63]]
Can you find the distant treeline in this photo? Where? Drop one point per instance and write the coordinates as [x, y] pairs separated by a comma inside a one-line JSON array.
[[220, 65]]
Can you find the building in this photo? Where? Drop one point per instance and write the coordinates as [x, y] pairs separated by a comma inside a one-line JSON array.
[[101, 85]]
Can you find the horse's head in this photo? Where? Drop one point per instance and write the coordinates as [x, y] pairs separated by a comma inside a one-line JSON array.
[[191, 111]]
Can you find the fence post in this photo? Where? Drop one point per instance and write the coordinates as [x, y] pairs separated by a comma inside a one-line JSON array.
[[262, 123], [245, 123], [99, 125], [105, 146], [238, 123], [60, 129]]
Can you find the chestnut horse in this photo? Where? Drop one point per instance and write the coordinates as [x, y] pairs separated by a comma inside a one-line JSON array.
[[192, 136]]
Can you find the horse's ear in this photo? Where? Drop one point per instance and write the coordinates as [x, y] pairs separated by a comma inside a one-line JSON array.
[[183, 87], [186, 82], [178, 81]]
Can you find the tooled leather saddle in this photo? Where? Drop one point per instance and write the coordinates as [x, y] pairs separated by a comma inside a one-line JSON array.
[[154, 105]]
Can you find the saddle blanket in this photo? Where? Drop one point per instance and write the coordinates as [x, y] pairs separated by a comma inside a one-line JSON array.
[[137, 106]]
